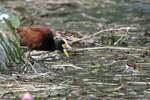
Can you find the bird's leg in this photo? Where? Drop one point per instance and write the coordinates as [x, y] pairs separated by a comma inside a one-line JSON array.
[[123, 74], [29, 56], [28, 62], [122, 77], [132, 76]]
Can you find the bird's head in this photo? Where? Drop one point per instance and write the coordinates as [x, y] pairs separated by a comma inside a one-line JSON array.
[[61, 45]]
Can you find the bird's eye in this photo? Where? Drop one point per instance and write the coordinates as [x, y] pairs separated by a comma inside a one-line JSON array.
[[64, 45]]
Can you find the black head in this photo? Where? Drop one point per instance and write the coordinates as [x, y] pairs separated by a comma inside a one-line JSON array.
[[50, 45], [61, 45], [58, 45]]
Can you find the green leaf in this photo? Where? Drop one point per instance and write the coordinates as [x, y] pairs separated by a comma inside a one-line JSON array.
[[12, 31], [8, 15], [10, 21], [2, 66], [129, 89], [133, 93], [95, 70], [116, 78], [111, 95], [10, 51]]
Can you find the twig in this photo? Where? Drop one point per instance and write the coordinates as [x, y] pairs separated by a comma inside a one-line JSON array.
[[2, 78], [72, 32], [59, 2], [32, 67], [140, 83], [92, 35], [89, 17], [128, 28], [4, 91], [64, 81], [68, 46], [118, 88], [71, 65], [108, 30], [107, 47], [17, 82], [127, 75], [113, 56]]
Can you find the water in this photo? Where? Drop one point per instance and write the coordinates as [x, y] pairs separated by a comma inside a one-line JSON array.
[[96, 73]]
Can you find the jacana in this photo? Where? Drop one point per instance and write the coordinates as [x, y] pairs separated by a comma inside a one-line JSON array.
[[131, 67], [39, 37]]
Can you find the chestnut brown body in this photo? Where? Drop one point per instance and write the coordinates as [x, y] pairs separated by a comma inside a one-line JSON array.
[[34, 35]]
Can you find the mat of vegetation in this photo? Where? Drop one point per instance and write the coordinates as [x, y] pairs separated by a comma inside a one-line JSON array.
[[102, 37]]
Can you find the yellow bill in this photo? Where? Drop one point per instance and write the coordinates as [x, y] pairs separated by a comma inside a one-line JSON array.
[[64, 46]]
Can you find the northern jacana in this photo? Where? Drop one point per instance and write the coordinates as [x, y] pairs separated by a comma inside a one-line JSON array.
[[131, 67], [39, 37]]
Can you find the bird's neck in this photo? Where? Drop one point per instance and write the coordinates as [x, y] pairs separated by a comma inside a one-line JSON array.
[[58, 45], [48, 43]]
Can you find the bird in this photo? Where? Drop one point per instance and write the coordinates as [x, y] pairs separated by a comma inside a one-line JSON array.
[[39, 37], [132, 67], [146, 34]]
